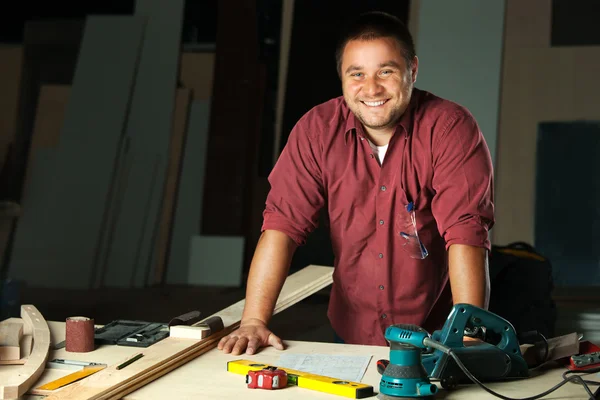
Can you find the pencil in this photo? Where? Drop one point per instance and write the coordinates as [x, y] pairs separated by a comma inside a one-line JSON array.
[[131, 360]]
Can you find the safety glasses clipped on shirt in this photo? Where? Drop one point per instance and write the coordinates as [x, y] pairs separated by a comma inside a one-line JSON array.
[[406, 227]]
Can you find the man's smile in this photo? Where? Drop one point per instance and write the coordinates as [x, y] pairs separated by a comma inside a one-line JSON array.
[[378, 103]]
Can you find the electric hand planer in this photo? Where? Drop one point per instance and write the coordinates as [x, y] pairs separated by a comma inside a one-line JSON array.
[[495, 357], [416, 358]]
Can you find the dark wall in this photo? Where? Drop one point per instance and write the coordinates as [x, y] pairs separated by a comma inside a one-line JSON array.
[[567, 200], [200, 19]]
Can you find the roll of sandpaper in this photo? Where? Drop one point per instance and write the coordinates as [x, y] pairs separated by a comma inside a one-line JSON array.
[[80, 335]]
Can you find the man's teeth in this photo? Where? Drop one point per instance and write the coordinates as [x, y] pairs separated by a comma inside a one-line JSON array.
[[374, 103]]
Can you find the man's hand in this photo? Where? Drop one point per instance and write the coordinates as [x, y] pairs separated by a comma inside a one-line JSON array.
[[249, 337], [471, 341]]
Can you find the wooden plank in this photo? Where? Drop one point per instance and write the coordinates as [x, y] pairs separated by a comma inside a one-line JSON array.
[[149, 127], [189, 194], [66, 239], [11, 333], [10, 340], [20, 382], [26, 345], [178, 138], [171, 353]]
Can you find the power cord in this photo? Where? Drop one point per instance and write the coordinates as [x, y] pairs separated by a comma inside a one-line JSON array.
[[574, 378], [584, 372], [528, 337]]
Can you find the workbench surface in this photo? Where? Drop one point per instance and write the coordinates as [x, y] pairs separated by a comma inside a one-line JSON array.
[[206, 377]]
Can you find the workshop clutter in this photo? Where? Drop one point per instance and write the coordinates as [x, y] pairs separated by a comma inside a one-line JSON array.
[[521, 288]]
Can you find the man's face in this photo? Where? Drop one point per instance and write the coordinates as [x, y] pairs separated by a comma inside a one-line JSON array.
[[376, 82]]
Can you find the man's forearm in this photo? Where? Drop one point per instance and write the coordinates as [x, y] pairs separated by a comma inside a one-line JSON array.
[[469, 275], [268, 272]]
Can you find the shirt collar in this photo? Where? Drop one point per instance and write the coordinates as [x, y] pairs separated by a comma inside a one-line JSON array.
[[406, 120]]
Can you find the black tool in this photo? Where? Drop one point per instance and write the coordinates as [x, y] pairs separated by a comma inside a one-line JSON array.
[[189, 318], [131, 333], [130, 361]]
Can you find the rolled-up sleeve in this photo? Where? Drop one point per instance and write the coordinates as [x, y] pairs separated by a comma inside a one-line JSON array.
[[463, 205], [296, 195]]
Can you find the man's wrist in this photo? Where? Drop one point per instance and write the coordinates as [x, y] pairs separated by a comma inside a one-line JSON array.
[[252, 321]]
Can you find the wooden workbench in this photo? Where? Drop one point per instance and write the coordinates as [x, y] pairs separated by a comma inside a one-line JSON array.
[[206, 377]]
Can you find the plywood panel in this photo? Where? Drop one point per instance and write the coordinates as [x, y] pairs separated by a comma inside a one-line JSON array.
[[58, 247], [50, 51], [130, 243]]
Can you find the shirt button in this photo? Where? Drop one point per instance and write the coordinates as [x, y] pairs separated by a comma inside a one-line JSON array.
[[381, 287], [380, 255], [380, 222], [383, 188], [383, 316], [372, 155]]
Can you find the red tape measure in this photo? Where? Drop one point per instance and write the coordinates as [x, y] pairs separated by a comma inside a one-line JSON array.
[[269, 378]]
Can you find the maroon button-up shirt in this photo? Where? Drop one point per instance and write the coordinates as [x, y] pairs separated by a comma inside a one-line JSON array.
[[437, 159]]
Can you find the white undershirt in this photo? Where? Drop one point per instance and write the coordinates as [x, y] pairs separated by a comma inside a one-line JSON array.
[[379, 151]]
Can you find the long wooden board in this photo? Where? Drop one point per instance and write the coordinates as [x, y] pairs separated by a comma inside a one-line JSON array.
[[171, 353], [176, 150]]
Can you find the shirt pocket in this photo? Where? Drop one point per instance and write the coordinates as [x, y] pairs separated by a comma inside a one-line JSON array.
[[425, 221], [422, 200]]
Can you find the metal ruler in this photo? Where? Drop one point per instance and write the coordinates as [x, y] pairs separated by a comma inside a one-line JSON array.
[[68, 379]]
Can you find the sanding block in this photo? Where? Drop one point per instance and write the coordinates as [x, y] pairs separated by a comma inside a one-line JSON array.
[[199, 330]]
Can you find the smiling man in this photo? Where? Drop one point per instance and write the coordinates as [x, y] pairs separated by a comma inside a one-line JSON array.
[[406, 179]]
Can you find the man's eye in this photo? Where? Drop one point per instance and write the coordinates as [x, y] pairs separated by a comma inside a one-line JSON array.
[[357, 74], [386, 72]]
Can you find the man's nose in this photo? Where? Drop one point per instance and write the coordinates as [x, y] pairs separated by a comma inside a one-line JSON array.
[[372, 86]]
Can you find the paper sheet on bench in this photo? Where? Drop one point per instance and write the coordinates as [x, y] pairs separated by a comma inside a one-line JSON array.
[[347, 368]]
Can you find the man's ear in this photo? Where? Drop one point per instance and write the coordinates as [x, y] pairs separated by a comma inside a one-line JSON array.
[[415, 69]]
